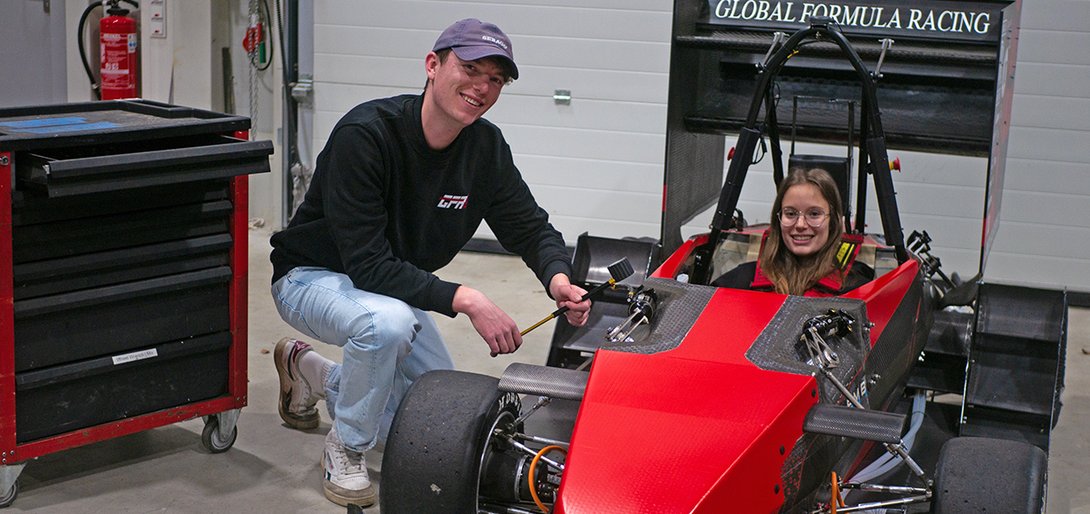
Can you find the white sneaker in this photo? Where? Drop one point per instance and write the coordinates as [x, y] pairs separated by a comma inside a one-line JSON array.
[[346, 479], [297, 397]]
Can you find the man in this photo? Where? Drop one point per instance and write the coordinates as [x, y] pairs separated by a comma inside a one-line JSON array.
[[402, 184]]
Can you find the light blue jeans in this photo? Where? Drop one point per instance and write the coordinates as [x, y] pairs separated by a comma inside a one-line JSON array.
[[386, 344]]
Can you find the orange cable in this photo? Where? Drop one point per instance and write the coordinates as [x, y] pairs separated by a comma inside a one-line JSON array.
[[533, 467]]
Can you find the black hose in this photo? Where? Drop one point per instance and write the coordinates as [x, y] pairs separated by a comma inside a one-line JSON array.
[[83, 51], [280, 41], [289, 102]]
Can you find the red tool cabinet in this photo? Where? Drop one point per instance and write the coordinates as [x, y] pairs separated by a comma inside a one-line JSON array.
[[123, 255]]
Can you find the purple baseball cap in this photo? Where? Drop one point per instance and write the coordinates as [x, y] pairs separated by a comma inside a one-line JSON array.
[[473, 39]]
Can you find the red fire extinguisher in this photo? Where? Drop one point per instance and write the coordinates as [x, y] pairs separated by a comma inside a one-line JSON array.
[[118, 42]]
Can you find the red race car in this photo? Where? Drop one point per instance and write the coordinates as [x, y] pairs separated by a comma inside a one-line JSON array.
[[900, 395]]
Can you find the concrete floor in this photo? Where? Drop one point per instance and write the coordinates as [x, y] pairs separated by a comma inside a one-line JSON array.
[[275, 469]]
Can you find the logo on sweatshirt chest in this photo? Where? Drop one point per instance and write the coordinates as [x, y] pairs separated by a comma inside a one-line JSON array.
[[453, 202]]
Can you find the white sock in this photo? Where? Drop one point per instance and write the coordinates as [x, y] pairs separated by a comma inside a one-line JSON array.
[[315, 368]]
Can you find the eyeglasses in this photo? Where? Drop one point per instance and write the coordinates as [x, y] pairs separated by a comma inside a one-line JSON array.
[[814, 217]]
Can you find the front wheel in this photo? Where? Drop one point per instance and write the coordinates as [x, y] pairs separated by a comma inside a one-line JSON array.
[[981, 474], [439, 438]]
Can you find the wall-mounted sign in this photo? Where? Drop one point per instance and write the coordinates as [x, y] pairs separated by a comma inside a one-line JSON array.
[[944, 20]]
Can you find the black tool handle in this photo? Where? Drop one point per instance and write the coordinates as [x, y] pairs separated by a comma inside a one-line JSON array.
[[562, 310]]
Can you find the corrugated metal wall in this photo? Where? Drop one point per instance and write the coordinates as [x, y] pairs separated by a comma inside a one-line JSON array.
[[596, 164], [1044, 237]]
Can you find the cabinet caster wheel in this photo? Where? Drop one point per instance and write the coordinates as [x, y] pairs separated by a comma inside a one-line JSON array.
[[213, 439], [9, 496]]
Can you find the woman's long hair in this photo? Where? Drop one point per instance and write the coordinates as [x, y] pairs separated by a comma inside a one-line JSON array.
[[789, 273]]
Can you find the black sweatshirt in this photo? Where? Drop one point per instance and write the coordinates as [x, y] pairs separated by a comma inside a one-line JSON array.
[[386, 210]]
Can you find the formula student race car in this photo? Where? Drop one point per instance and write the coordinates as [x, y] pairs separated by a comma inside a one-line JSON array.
[[906, 394]]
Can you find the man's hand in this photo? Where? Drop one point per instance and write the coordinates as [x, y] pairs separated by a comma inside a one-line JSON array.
[[496, 328], [568, 295]]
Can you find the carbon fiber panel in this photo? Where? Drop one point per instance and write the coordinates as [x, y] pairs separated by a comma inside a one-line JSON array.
[[694, 175], [679, 306], [567, 384], [811, 453], [778, 348], [897, 349], [870, 425]]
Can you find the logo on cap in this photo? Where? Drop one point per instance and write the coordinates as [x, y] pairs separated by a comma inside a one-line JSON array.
[[496, 41]]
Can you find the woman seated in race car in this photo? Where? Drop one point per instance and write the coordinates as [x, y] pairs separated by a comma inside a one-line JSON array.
[[805, 251]]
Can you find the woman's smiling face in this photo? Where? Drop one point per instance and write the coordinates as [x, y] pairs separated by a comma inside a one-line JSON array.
[[799, 236]]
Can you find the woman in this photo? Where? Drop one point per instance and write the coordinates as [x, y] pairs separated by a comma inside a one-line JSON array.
[[805, 250]]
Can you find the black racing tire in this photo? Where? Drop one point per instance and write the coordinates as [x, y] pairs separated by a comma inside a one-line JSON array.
[[433, 454], [981, 474]]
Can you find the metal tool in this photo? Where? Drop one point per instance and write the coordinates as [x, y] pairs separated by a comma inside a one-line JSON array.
[[618, 271]]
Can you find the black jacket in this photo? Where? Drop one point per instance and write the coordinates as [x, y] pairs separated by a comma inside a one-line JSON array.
[[388, 211]]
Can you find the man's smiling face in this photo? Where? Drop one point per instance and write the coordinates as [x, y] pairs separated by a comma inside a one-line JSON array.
[[461, 90]]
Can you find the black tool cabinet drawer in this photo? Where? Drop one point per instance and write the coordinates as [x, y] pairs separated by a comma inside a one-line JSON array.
[[61, 398], [66, 327], [97, 229], [66, 274], [83, 170], [34, 208]]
